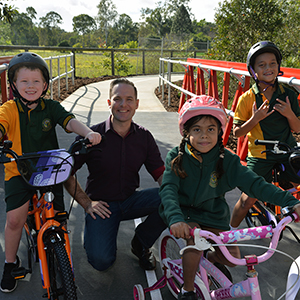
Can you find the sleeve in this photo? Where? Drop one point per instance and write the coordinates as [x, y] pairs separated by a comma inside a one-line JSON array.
[[294, 103], [170, 210], [61, 115], [243, 110], [255, 186], [154, 163]]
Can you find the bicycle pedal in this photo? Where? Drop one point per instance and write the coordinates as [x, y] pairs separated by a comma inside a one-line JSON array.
[[20, 273]]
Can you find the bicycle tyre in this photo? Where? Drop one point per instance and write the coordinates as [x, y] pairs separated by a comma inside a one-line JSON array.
[[31, 236], [169, 247], [257, 215], [62, 282]]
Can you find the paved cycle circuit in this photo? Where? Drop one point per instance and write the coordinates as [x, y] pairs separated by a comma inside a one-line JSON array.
[[89, 105]]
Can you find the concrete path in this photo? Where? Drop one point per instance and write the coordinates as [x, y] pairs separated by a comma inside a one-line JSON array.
[[89, 105]]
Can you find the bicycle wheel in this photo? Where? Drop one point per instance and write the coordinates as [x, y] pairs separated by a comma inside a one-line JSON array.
[[258, 215], [31, 237], [61, 275], [169, 247]]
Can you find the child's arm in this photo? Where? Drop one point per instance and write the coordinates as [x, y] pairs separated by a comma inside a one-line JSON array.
[[257, 115], [285, 109], [81, 129]]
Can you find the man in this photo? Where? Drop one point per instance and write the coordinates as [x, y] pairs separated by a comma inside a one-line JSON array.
[[111, 195]]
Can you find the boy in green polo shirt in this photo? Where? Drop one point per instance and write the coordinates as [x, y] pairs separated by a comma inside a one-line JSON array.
[[268, 111], [29, 122]]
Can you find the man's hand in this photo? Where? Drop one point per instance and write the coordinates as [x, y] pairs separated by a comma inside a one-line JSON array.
[[180, 230], [100, 208]]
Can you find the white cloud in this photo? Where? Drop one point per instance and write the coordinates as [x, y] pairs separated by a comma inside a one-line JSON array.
[[71, 8]]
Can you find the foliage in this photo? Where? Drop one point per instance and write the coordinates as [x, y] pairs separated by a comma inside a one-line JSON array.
[[241, 23], [64, 44], [5, 33], [121, 62], [182, 23], [23, 31], [7, 12], [83, 24], [107, 14]]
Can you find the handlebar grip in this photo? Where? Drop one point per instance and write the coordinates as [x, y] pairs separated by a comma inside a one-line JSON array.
[[264, 142]]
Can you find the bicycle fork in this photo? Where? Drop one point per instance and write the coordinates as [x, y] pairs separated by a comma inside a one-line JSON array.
[[49, 227]]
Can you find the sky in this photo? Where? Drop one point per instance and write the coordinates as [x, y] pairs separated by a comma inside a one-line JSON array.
[[70, 8]]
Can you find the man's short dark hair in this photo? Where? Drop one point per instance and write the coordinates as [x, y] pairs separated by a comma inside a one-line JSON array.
[[121, 81]]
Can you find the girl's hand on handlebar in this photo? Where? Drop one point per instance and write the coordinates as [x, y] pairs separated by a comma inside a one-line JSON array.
[[93, 137], [100, 208], [181, 230], [297, 211]]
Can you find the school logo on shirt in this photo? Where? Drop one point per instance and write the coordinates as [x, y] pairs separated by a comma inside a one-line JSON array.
[[46, 124], [213, 179]]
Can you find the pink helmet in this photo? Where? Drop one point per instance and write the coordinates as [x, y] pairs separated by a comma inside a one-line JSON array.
[[202, 105]]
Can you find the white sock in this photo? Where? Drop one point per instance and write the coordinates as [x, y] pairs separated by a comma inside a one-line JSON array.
[[15, 262], [233, 228], [183, 291]]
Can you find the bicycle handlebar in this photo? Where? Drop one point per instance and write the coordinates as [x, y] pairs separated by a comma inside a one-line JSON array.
[[276, 145], [254, 233], [44, 168]]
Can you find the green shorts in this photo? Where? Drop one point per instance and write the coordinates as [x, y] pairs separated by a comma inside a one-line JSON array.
[[263, 167], [18, 192]]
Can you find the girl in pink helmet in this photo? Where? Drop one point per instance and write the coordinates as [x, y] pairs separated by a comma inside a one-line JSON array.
[[198, 174]]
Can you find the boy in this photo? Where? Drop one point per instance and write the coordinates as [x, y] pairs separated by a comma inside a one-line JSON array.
[[29, 122], [267, 111]]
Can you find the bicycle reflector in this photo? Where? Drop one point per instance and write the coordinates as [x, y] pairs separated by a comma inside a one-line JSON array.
[[295, 162]]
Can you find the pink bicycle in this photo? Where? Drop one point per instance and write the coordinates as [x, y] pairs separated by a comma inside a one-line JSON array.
[[210, 282]]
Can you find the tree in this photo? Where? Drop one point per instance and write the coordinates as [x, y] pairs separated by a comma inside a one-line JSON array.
[[124, 30], [107, 14], [5, 34], [83, 24], [7, 12], [182, 23], [241, 23], [52, 19], [23, 31], [49, 31], [31, 12]]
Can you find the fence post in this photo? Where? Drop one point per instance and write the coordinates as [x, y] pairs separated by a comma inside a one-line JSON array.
[[66, 71], [58, 74], [144, 68], [169, 80], [3, 86], [159, 79], [51, 88], [74, 64], [112, 54]]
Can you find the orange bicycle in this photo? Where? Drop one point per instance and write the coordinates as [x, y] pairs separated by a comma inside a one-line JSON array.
[[266, 213], [46, 233]]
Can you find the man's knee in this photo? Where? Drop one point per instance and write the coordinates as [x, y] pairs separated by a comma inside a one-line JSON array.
[[100, 262]]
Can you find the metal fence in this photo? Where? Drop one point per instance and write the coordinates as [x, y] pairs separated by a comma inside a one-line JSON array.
[[95, 62]]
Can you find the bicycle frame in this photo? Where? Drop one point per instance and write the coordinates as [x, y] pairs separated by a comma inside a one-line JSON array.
[[228, 290], [44, 219]]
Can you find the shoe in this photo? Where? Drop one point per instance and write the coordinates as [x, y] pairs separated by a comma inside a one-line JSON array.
[[187, 296], [9, 283], [147, 260]]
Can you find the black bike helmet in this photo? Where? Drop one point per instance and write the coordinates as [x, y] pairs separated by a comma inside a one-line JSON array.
[[259, 48], [295, 162], [27, 59]]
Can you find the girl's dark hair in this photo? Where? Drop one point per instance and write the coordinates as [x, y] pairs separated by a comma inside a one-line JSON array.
[[176, 163]]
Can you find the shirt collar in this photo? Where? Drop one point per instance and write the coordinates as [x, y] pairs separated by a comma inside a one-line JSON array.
[[22, 107], [108, 126], [279, 89]]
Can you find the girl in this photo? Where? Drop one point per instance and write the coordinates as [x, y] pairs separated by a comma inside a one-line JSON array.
[[198, 174]]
